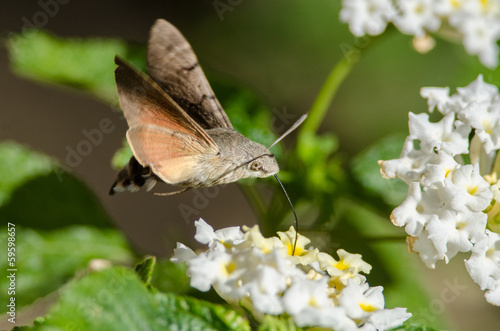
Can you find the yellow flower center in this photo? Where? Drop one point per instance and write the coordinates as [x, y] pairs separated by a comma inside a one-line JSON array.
[[298, 249], [367, 307], [487, 127], [490, 252], [455, 4], [312, 302], [228, 268], [472, 190], [341, 265]]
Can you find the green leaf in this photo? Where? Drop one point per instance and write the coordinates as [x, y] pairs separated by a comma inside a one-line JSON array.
[[271, 323], [321, 170], [85, 64], [145, 269], [408, 326], [116, 299], [35, 191], [122, 156], [170, 277], [19, 165], [47, 259], [367, 172]]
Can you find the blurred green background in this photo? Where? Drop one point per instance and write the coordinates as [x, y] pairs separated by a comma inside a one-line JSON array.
[[282, 51]]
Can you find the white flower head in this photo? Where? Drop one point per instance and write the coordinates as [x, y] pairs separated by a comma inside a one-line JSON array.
[[452, 232], [360, 301], [265, 289], [437, 97], [438, 169], [493, 294], [297, 248], [484, 117], [305, 293], [367, 16], [205, 234], [476, 23], [484, 263], [410, 166], [453, 194], [260, 274], [417, 209], [478, 91], [215, 266], [480, 38], [424, 247], [448, 135], [466, 187], [182, 253], [417, 16], [386, 319]]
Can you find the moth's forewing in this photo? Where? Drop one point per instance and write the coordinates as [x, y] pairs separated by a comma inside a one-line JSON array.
[[174, 66], [161, 135]]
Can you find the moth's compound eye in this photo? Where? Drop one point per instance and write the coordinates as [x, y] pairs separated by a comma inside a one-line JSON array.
[[255, 166]]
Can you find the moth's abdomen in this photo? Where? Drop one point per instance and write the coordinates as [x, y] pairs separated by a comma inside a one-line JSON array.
[[132, 177]]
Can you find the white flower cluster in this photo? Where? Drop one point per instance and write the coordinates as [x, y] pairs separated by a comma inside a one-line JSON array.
[[453, 202], [262, 275], [476, 21]]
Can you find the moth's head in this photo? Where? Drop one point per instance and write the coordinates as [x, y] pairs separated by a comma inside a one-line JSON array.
[[263, 163]]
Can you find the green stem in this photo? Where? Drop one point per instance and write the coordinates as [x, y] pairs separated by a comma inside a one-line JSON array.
[[325, 96], [352, 54]]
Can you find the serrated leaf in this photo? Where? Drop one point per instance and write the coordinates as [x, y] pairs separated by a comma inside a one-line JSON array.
[[116, 299], [145, 269], [35, 191], [47, 259], [367, 172]]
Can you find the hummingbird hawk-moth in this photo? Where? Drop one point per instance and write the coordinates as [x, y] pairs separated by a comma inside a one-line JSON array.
[[178, 131]]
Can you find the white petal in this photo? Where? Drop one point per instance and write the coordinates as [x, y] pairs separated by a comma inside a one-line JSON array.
[[182, 253]]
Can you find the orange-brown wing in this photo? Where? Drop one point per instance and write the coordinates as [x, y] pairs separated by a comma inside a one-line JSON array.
[[161, 135], [172, 156]]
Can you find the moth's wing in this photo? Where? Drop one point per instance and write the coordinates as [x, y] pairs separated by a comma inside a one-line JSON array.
[[172, 156], [161, 135], [174, 66]]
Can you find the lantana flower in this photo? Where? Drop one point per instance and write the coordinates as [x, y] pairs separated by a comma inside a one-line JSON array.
[[477, 22], [270, 276], [453, 202]]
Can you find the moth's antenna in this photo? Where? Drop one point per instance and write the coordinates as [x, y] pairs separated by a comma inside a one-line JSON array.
[[294, 214], [293, 127]]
